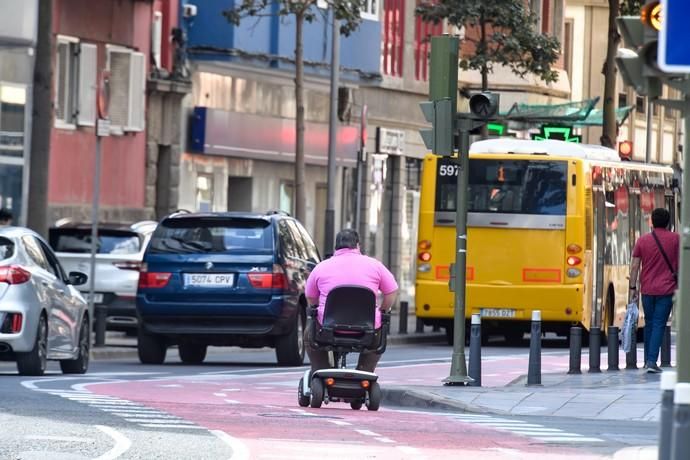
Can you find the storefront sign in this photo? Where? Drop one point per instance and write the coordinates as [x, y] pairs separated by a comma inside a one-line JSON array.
[[390, 141]]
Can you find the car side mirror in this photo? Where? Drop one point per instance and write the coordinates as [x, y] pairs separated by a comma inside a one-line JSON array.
[[77, 278]]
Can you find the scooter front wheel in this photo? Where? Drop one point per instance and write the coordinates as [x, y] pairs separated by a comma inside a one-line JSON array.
[[374, 396], [316, 393], [356, 405], [302, 399]]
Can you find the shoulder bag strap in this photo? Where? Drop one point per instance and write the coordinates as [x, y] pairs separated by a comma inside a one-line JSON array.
[[663, 253]]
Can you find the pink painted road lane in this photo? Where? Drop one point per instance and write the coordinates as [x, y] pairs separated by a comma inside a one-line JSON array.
[[261, 415]]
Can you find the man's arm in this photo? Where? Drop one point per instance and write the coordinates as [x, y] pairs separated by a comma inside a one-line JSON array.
[[388, 300], [634, 273], [313, 300]]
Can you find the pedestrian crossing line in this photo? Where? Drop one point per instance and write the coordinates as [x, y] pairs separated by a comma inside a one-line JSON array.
[[161, 421], [340, 422], [127, 410], [145, 416], [386, 440], [163, 425], [569, 439], [367, 433]]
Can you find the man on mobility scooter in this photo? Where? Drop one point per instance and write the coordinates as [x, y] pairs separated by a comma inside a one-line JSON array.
[[347, 319]]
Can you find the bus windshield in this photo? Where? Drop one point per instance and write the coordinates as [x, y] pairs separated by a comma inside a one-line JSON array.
[[506, 186]]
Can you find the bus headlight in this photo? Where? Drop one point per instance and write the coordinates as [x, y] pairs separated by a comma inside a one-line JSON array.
[[424, 268], [573, 273]]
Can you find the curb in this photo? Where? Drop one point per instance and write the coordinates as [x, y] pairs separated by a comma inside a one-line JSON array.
[[421, 399], [637, 453], [106, 353]]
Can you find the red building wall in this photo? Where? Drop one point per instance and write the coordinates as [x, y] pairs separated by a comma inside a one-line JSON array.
[[72, 157]]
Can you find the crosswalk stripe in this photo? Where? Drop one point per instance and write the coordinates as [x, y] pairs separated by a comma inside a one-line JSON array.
[[569, 439], [161, 421], [162, 425]]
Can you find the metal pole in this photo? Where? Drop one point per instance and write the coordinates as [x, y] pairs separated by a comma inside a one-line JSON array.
[[680, 445], [332, 137], [458, 368], [534, 365], [402, 328], [594, 350], [575, 350], [361, 163], [100, 341], [476, 351], [668, 383], [613, 348], [648, 149]]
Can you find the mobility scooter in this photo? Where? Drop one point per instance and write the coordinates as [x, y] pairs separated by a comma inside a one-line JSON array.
[[348, 327]]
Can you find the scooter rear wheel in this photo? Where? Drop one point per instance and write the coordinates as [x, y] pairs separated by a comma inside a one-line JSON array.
[[302, 399], [316, 394], [374, 396], [356, 405]]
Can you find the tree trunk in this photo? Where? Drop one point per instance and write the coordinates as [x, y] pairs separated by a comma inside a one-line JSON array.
[[299, 195], [42, 116], [610, 126], [485, 69]]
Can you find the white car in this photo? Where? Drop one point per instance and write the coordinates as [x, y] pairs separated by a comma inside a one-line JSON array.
[[120, 250], [42, 315]]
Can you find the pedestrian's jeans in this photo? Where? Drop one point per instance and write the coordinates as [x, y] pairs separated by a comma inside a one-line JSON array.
[[657, 309]]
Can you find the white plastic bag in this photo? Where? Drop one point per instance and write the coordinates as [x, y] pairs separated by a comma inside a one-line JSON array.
[[630, 326]]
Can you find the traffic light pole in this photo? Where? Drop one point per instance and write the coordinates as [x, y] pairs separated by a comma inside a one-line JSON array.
[[458, 367]]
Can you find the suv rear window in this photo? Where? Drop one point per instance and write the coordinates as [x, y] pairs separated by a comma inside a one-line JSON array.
[[6, 248], [222, 235], [78, 240]]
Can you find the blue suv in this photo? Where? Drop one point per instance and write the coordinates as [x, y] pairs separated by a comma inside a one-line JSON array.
[[224, 279]]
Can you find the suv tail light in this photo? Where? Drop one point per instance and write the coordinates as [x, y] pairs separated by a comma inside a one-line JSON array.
[[14, 274], [153, 280], [128, 265], [274, 280]]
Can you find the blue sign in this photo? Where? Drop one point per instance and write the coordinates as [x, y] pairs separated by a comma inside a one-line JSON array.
[[674, 52]]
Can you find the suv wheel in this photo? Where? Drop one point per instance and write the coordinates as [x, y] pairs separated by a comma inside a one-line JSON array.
[[192, 353], [290, 347], [151, 348]]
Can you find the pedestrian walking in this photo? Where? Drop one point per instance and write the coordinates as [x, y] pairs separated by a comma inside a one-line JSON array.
[[655, 259]]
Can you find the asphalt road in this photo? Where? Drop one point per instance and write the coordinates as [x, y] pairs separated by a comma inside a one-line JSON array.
[[239, 405]]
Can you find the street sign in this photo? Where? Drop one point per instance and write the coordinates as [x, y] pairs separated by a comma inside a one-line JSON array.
[[674, 52], [103, 127]]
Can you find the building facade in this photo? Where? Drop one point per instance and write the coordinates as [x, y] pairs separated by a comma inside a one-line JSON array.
[[18, 30]]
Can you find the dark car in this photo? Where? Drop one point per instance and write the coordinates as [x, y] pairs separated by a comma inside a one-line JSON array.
[[224, 279]]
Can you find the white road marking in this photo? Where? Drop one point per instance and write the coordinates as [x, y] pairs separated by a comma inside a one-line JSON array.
[[568, 439], [172, 385], [145, 416], [231, 401], [58, 438], [534, 431], [340, 422], [220, 395], [127, 410], [367, 433], [407, 449], [230, 389], [239, 449], [386, 440], [137, 419], [122, 443], [163, 425]]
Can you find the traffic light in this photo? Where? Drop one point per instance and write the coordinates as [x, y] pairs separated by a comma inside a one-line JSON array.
[[441, 108], [625, 150], [440, 138], [484, 106], [638, 60]]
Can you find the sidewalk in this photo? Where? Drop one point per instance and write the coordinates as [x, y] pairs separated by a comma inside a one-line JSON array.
[[119, 346]]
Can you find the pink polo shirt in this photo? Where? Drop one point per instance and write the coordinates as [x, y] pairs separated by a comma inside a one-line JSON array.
[[349, 266]]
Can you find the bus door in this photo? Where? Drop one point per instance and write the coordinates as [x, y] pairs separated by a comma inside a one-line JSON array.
[[603, 250]]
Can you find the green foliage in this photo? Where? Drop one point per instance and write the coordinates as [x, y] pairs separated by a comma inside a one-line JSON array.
[[511, 37], [347, 11], [630, 7]]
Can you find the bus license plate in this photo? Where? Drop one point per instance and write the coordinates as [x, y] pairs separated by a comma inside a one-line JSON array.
[[209, 279], [497, 313]]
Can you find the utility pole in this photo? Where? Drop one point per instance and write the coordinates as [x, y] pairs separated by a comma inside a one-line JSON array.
[[329, 233], [42, 117]]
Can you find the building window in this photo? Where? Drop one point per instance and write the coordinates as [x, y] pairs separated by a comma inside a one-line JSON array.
[[75, 83], [422, 46], [393, 42], [370, 10], [204, 192], [127, 89], [568, 48], [640, 104], [622, 100], [286, 197]]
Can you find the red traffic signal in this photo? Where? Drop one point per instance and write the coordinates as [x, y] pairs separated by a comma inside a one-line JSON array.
[[625, 150]]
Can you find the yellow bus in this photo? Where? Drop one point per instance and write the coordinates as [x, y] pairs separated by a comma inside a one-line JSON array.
[[551, 226]]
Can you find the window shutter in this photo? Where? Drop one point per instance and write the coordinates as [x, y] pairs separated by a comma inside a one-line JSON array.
[[137, 92], [119, 64], [88, 57]]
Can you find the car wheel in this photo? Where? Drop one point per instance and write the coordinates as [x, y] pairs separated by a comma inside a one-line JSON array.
[[192, 353], [81, 364], [290, 347], [34, 361], [152, 349]]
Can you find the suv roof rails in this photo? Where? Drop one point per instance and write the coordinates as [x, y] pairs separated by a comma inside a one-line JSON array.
[[277, 211], [177, 212]]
